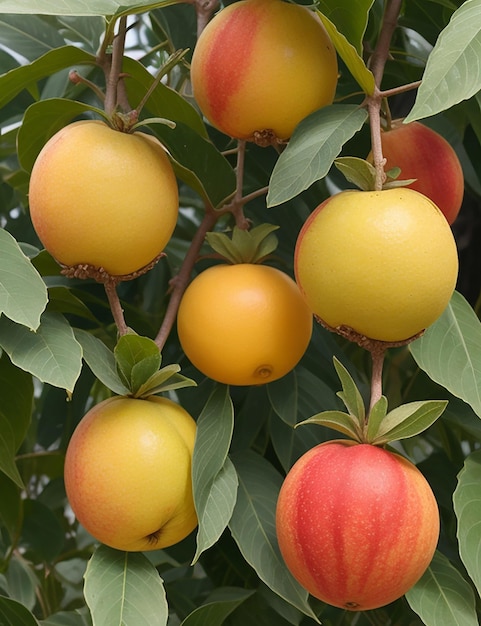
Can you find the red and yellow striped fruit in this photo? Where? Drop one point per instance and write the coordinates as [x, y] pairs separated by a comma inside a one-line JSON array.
[[261, 66], [357, 525]]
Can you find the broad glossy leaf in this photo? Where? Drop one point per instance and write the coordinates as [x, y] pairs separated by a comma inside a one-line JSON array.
[[41, 121], [408, 420], [80, 7], [351, 57], [52, 353], [101, 361], [467, 506], [124, 588], [283, 395], [213, 475], [443, 597], [10, 505], [62, 300], [16, 80], [453, 70], [350, 18], [22, 581], [15, 614], [23, 295], [7, 452], [357, 171], [450, 351], [65, 618], [29, 36], [41, 531], [253, 527], [311, 151], [16, 392], [218, 606]]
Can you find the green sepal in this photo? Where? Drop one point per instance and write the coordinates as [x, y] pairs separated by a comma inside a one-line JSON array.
[[138, 360], [376, 416], [245, 246], [407, 420], [357, 171], [350, 394], [337, 420]]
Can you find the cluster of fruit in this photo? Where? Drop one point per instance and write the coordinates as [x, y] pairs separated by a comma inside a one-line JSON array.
[[357, 524]]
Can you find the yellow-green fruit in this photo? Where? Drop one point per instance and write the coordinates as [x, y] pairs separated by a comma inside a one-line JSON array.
[[261, 66], [128, 473], [102, 197], [383, 263]]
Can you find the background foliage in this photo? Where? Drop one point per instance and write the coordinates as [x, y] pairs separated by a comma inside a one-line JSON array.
[[57, 335]]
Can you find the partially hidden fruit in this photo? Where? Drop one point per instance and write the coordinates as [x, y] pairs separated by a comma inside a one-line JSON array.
[[383, 263], [425, 155], [261, 66], [244, 324], [357, 525], [128, 473], [103, 198]]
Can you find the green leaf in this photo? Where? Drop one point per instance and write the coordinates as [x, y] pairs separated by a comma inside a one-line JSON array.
[[10, 504], [52, 353], [65, 618], [351, 57], [218, 606], [350, 18], [337, 420], [101, 361], [377, 414], [453, 70], [124, 588], [23, 295], [18, 79], [7, 452], [41, 531], [213, 475], [467, 506], [408, 420], [350, 394], [137, 358], [22, 581], [443, 597], [450, 351], [16, 391], [166, 379], [311, 151], [80, 7], [15, 614], [357, 171], [253, 527], [29, 36], [41, 121]]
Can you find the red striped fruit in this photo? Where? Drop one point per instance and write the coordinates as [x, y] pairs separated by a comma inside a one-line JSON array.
[[261, 66], [357, 525]]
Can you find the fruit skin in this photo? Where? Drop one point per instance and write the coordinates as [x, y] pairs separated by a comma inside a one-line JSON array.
[[128, 473], [102, 197], [357, 525], [263, 65], [425, 155], [244, 324], [383, 263]]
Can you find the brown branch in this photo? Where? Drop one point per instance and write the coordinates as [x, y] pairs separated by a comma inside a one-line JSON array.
[[377, 357], [204, 10], [181, 280], [113, 68]]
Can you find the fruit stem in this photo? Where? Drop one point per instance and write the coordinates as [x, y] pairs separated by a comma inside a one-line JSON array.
[[377, 357], [112, 65], [115, 306], [377, 64], [204, 10]]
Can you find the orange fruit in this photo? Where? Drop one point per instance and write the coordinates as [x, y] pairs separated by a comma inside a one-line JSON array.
[[244, 324]]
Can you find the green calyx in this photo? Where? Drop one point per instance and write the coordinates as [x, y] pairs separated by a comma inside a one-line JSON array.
[[245, 246]]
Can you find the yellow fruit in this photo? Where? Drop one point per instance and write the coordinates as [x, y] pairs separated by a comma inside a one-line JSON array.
[[383, 263], [102, 197], [261, 66], [244, 324], [128, 473]]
